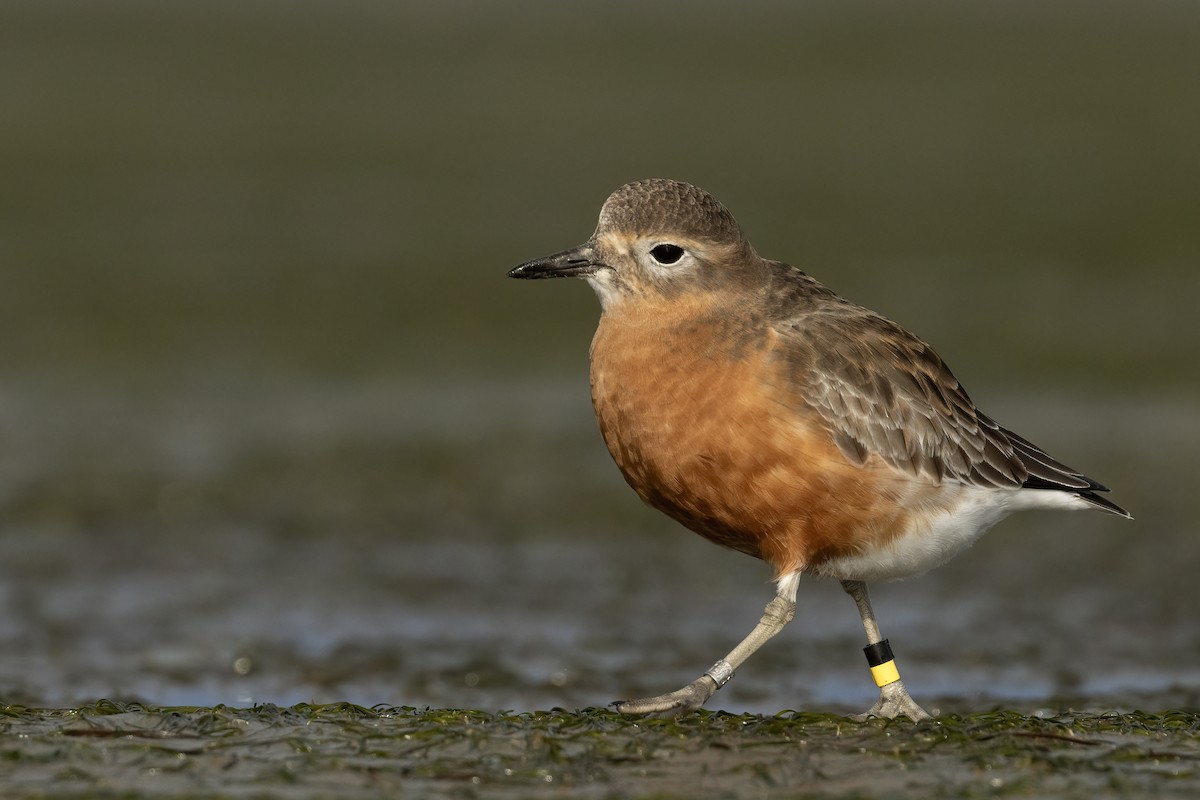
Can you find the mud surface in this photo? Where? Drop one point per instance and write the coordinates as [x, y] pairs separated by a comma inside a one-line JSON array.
[[275, 429], [320, 751]]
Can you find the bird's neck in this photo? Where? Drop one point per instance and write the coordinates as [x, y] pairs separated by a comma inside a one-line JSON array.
[[713, 324], [673, 342]]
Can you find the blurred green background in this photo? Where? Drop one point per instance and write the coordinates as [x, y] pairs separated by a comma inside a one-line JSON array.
[[338, 187], [252, 290]]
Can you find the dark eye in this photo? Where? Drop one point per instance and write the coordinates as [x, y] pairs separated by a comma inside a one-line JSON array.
[[666, 253]]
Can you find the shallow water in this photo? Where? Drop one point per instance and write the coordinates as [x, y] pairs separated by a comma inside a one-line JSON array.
[[471, 546]]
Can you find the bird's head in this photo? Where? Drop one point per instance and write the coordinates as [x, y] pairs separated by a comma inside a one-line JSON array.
[[656, 239]]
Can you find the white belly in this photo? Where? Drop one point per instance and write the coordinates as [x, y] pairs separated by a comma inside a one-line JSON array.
[[937, 535]]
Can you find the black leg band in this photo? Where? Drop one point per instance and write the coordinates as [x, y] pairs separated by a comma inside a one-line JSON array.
[[882, 663], [878, 653]]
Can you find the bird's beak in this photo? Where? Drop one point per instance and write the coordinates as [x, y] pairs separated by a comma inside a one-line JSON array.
[[578, 261]]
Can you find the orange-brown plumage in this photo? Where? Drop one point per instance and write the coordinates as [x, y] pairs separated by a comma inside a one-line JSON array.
[[713, 436], [759, 409]]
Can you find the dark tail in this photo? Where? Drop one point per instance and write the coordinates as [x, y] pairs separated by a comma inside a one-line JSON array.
[[1048, 473]]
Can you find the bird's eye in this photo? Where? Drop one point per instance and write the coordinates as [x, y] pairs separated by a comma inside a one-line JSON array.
[[666, 253]]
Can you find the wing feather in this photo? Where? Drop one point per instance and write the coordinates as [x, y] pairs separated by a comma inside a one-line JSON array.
[[881, 390]]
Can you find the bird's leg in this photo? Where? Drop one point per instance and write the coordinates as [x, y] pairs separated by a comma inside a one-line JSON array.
[[779, 612], [893, 697]]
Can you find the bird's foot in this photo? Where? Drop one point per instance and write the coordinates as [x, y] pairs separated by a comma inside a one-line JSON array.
[[894, 702], [689, 698]]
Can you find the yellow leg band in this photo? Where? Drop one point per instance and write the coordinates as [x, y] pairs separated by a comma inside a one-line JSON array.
[[885, 673]]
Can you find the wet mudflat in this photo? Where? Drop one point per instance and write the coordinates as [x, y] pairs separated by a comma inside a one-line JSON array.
[[311, 751], [479, 551], [288, 468], [267, 616]]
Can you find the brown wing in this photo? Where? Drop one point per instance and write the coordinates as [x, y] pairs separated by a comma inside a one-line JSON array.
[[883, 391]]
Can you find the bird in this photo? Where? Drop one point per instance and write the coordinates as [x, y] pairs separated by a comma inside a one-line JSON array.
[[764, 412]]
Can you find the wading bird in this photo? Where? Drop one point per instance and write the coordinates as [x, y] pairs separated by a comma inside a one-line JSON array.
[[762, 411]]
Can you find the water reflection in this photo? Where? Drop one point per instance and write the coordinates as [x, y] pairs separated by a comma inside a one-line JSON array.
[[326, 571]]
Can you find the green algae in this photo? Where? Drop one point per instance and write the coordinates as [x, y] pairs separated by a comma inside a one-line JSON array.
[[136, 750]]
